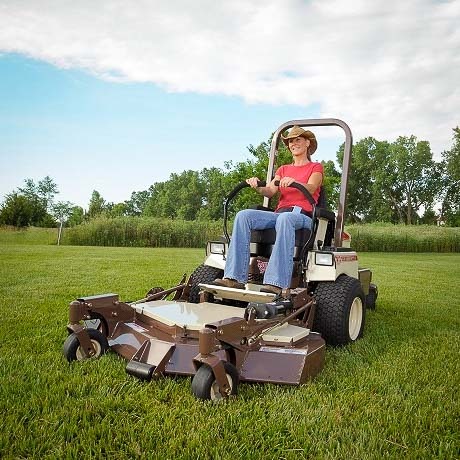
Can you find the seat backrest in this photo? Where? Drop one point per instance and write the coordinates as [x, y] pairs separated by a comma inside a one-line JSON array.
[[322, 198]]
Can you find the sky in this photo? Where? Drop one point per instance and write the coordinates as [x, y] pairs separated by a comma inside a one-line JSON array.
[[114, 96]]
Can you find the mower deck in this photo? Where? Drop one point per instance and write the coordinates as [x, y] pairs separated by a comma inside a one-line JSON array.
[[163, 337]]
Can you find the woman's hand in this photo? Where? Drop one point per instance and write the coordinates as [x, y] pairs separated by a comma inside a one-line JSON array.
[[253, 181], [286, 181]]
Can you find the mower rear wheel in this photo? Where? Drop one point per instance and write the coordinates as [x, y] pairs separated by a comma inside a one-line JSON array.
[[340, 310], [73, 352], [202, 274], [205, 386]]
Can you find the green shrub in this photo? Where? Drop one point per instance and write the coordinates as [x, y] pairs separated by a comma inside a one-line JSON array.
[[404, 238], [160, 232], [143, 232]]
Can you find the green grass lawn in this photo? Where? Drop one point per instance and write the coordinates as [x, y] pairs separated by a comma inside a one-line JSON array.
[[28, 235], [393, 394]]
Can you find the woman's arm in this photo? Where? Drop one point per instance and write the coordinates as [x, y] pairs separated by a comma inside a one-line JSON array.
[[267, 191]]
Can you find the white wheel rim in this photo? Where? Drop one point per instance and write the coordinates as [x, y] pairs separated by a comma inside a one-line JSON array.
[[355, 319], [215, 393], [97, 348]]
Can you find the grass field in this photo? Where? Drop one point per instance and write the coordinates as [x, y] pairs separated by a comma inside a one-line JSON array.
[[28, 235], [393, 394]]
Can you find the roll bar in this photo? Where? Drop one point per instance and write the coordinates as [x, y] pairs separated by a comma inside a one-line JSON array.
[[341, 206]]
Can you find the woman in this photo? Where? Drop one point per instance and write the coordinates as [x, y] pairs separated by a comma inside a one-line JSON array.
[[290, 215]]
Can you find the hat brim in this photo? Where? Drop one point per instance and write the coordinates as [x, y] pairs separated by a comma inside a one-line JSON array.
[[313, 144]]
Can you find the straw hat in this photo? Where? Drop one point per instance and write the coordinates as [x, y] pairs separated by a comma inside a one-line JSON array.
[[297, 131]]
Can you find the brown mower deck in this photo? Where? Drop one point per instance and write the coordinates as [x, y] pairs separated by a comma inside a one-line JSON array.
[[171, 337]]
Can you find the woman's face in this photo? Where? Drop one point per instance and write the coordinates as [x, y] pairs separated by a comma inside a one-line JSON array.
[[299, 145]]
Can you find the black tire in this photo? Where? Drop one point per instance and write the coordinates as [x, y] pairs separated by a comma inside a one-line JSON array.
[[204, 384], [73, 352], [97, 322], [340, 310], [371, 298], [202, 274]]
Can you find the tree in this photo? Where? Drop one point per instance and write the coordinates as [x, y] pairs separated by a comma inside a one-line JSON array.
[[364, 199], [136, 204], [331, 184], [413, 176], [450, 181], [214, 190], [97, 205], [61, 211], [76, 217], [21, 210], [117, 210], [47, 189], [30, 205], [44, 191], [179, 197], [391, 182]]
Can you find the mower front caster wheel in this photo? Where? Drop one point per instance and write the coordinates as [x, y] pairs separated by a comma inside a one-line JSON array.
[[205, 386], [72, 349]]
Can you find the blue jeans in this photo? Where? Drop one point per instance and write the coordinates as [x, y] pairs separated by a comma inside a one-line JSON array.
[[279, 269]]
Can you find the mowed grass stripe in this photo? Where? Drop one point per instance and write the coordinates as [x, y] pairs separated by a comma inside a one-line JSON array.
[[393, 394]]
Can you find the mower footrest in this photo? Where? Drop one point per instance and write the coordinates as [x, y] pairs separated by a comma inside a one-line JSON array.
[[286, 334], [243, 295]]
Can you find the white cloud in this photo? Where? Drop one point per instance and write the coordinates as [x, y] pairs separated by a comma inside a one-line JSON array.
[[388, 68]]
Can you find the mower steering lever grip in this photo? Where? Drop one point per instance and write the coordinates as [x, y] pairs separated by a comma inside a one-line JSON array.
[[242, 185], [230, 197]]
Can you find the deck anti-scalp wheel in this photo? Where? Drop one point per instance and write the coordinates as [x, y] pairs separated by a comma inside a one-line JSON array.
[[73, 352], [202, 274], [340, 310], [205, 386], [371, 298]]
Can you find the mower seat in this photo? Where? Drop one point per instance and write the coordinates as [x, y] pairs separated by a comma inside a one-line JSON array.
[[262, 241]]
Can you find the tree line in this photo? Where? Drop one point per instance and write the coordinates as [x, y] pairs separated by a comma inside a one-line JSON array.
[[396, 182]]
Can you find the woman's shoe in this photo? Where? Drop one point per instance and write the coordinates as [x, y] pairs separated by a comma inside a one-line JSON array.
[[271, 289], [229, 283]]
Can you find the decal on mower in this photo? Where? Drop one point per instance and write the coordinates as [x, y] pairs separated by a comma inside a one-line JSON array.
[[289, 351], [262, 265], [339, 258]]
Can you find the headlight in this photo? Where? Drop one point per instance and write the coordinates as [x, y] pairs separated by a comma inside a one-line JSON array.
[[215, 247], [324, 258]]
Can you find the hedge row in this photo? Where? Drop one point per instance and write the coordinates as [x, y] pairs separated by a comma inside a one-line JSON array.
[[154, 232], [143, 232], [404, 238]]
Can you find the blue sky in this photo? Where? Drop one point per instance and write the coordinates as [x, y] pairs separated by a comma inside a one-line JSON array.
[[91, 134], [114, 96]]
